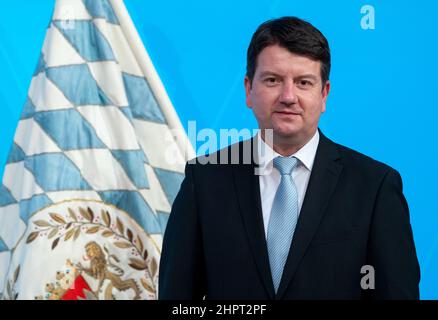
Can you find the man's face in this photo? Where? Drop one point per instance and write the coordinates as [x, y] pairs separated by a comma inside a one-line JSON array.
[[287, 94]]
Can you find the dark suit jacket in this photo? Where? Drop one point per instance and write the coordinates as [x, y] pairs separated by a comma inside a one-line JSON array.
[[354, 214]]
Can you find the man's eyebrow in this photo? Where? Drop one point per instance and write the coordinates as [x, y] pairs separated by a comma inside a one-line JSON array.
[[308, 75], [302, 76], [268, 73]]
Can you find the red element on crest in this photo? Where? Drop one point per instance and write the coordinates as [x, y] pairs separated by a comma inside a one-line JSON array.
[[77, 289]]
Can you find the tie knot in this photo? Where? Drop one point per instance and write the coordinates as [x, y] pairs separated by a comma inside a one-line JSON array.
[[285, 165]]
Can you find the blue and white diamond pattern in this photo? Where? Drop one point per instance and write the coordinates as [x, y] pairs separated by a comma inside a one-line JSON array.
[[91, 128]]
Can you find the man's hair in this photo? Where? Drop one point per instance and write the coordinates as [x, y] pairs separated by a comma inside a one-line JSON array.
[[297, 36]]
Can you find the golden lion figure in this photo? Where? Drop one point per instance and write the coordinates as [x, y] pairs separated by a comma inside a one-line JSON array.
[[99, 270]]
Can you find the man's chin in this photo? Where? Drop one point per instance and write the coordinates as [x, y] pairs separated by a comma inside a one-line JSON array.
[[286, 133]]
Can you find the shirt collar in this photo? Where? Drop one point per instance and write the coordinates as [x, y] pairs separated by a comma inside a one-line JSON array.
[[306, 155]]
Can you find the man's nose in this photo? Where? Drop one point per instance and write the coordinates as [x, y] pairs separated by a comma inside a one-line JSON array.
[[288, 95]]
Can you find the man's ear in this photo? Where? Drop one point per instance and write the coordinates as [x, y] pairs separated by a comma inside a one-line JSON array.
[[325, 93], [247, 84]]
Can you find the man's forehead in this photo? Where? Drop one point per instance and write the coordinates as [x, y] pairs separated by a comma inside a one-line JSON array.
[[296, 70], [277, 59]]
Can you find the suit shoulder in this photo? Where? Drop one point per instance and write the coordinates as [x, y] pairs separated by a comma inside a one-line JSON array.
[[363, 162]]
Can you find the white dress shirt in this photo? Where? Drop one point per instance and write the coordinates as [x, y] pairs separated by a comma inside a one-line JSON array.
[[270, 177]]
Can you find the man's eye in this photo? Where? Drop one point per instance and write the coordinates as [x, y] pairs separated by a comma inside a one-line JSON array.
[[305, 83], [271, 80]]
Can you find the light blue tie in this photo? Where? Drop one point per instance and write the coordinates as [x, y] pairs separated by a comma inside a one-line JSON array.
[[283, 219]]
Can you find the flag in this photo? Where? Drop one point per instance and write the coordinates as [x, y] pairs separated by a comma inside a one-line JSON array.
[[96, 162]]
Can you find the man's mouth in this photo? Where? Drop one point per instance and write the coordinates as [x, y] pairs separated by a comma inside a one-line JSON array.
[[287, 113]]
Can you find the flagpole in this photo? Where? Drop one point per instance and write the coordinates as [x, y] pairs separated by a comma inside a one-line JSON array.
[[152, 77]]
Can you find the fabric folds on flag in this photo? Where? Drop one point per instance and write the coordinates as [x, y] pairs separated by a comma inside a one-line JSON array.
[[94, 166]]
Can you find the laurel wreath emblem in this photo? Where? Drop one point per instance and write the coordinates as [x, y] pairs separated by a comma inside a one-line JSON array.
[[69, 228]]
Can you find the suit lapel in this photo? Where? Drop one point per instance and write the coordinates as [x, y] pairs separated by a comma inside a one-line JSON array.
[[322, 182], [248, 195]]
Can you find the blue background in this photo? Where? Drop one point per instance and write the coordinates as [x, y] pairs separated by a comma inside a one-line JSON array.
[[383, 98]]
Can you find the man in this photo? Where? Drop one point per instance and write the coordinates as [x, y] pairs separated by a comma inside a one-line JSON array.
[[316, 216]]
